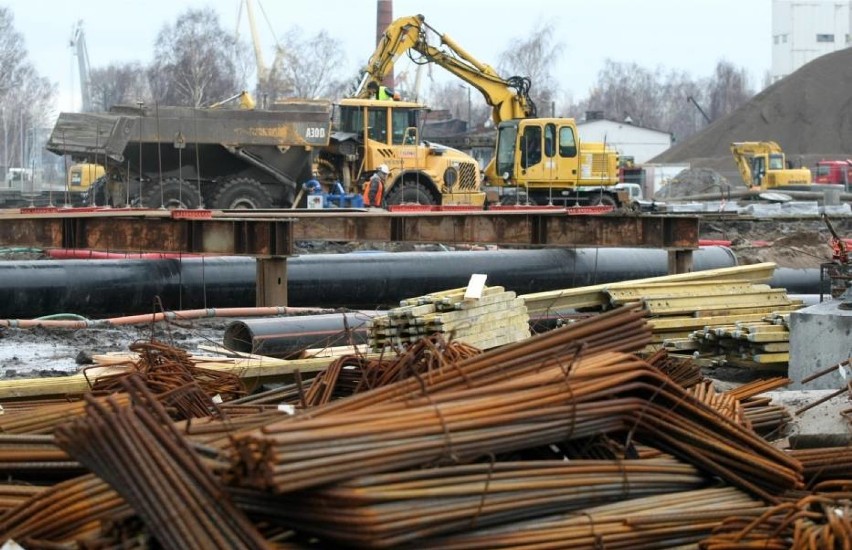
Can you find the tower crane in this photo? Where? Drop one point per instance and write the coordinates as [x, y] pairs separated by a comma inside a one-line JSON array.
[[78, 44]]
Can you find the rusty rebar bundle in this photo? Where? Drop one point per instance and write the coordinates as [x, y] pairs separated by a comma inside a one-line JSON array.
[[13, 495], [513, 401], [161, 477], [43, 419], [816, 522], [685, 372], [28, 456], [388, 510], [623, 329], [166, 369], [352, 374], [68, 511], [665, 521], [825, 463]]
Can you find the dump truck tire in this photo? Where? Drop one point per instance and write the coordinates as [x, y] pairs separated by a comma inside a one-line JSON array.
[[242, 194], [410, 193], [176, 194]]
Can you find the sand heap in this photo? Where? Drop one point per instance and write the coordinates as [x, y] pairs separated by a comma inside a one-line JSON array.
[[809, 113]]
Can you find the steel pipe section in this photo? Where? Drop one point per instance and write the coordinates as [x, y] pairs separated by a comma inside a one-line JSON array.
[[287, 337], [98, 288]]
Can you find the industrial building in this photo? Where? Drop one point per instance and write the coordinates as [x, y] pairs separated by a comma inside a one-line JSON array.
[[803, 31]]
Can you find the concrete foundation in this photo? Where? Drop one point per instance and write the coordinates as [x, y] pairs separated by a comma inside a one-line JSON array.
[[820, 336], [820, 426]]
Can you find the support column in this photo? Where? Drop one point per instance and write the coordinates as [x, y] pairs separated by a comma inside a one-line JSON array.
[[271, 281], [680, 261]]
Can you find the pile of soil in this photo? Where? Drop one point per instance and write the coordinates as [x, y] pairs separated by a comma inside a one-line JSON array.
[[696, 181], [798, 244], [807, 113]]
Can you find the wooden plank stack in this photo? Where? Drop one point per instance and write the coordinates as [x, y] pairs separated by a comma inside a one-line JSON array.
[[594, 296], [498, 317], [677, 310], [730, 314], [761, 343]]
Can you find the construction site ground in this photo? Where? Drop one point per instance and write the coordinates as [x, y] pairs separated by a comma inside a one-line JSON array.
[[41, 352]]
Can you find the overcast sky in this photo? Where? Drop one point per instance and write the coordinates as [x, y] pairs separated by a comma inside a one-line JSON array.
[[688, 35]]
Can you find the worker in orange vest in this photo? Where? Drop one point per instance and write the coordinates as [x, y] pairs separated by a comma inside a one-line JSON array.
[[374, 189]]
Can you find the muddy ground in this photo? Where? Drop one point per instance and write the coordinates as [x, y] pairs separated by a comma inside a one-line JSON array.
[[56, 352]]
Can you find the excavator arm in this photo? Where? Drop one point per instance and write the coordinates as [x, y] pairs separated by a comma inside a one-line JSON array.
[[508, 98]]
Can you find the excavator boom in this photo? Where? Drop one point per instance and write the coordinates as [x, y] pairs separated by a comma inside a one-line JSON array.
[[508, 98]]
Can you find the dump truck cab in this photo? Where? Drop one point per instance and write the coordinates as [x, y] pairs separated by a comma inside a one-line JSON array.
[[369, 133]]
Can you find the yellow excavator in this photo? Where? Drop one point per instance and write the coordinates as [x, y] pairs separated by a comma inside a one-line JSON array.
[[540, 160], [763, 166]]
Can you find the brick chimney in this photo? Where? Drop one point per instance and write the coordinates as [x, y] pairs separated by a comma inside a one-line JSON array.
[[384, 17]]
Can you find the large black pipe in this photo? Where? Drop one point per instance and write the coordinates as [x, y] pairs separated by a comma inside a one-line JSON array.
[[797, 280], [99, 288], [287, 336]]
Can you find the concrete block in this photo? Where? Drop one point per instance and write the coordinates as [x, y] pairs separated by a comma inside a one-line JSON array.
[[820, 336], [820, 426]]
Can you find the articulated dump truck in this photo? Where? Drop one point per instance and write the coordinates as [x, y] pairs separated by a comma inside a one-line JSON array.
[[182, 157]]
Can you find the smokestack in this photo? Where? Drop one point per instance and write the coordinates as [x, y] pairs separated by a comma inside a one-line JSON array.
[[384, 17]]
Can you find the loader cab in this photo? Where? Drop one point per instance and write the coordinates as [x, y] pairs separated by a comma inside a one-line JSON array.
[[386, 122]]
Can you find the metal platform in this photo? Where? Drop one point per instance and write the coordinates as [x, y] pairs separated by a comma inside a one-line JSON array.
[[269, 235]]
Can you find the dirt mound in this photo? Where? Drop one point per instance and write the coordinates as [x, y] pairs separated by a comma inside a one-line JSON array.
[[694, 181], [809, 113]]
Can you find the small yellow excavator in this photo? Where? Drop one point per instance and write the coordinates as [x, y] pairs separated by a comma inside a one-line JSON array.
[[764, 167]]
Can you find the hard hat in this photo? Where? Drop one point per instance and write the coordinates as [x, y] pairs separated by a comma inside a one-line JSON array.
[[383, 168]]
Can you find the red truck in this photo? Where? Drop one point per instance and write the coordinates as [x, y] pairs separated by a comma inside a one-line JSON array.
[[834, 171]]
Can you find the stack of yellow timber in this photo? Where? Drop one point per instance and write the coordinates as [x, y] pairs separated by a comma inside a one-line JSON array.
[[595, 296], [676, 310], [678, 305], [498, 317], [748, 343]]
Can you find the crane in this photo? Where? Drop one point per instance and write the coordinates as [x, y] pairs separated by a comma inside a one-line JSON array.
[[78, 44], [264, 72]]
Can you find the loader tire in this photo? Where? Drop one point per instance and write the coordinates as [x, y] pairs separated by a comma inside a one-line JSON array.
[[603, 200], [175, 195], [410, 193], [521, 199], [242, 194]]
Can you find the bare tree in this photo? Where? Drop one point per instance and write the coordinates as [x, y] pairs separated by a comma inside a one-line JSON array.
[[119, 84], [452, 96], [26, 99], [659, 99], [196, 61], [534, 58], [626, 90], [308, 67], [728, 89]]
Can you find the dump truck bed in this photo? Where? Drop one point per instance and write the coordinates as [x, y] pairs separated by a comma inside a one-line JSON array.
[[93, 135]]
